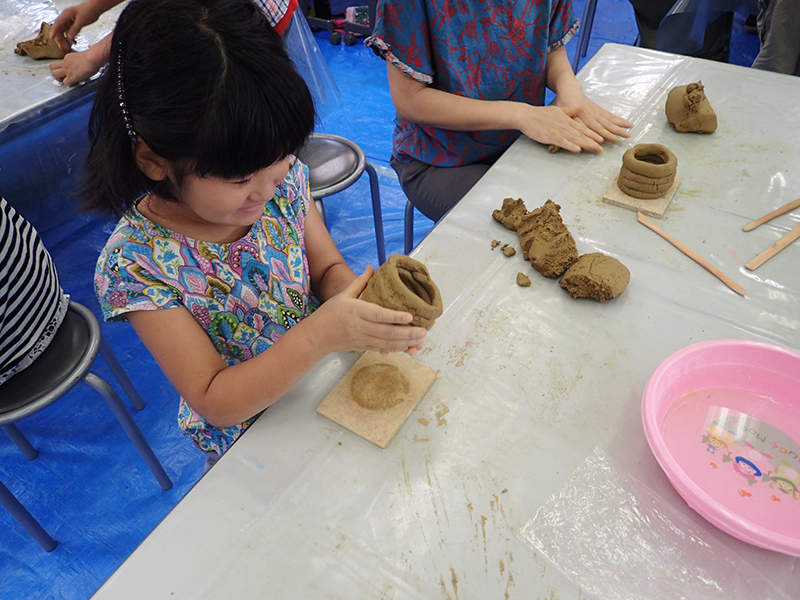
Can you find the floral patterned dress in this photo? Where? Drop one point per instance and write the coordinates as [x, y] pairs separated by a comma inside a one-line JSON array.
[[480, 49], [244, 294]]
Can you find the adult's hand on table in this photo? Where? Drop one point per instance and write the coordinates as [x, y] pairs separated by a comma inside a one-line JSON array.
[[558, 126], [608, 125]]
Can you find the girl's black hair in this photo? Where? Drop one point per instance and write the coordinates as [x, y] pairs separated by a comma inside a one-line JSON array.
[[206, 84]]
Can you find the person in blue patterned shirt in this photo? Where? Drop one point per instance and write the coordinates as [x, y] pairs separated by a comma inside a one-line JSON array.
[[220, 260], [467, 78]]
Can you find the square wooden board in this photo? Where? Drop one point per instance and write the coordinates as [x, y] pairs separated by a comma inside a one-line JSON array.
[[377, 426], [652, 208]]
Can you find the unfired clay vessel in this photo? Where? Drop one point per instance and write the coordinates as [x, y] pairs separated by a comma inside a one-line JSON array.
[[688, 109], [402, 283], [648, 171]]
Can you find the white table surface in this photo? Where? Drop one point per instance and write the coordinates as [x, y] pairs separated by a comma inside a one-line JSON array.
[[27, 88], [531, 382]]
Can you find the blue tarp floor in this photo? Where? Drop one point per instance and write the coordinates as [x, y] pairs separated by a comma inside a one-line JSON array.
[[88, 487]]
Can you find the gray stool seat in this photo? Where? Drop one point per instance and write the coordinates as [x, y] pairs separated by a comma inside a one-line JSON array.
[[65, 363], [334, 164]]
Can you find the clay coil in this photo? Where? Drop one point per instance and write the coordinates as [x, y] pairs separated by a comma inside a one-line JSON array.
[[639, 194], [650, 160], [628, 175], [402, 283]]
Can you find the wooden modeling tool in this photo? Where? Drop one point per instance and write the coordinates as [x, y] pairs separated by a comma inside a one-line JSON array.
[[377, 394], [653, 208], [775, 213], [784, 241], [693, 255]]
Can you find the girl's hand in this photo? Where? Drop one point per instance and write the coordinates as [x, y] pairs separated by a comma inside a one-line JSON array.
[[346, 323]]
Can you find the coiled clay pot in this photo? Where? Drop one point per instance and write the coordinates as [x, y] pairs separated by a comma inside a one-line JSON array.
[[648, 171], [402, 283]]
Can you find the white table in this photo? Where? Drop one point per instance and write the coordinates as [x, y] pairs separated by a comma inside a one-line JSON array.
[[27, 89], [530, 383]]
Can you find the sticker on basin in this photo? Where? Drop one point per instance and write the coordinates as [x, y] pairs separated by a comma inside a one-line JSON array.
[[750, 468]]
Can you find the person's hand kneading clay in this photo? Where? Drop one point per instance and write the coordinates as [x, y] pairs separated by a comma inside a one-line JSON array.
[[220, 260]]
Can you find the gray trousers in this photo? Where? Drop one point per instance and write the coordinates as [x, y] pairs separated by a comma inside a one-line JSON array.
[[435, 190], [779, 30]]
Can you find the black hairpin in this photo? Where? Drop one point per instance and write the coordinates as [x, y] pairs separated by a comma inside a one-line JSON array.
[[123, 105]]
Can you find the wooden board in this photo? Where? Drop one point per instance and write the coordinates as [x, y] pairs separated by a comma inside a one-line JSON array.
[[652, 208], [377, 426]]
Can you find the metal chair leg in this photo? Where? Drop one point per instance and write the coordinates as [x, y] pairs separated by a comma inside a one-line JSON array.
[[121, 375], [130, 427], [408, 235], [586, 31], [21, 442], [377, 213], [26, 519]]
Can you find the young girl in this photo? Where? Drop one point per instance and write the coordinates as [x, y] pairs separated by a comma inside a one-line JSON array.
[[220, 256]]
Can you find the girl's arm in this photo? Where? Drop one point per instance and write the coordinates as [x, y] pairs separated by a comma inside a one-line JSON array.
[[226, 396], [418, 103], [570, 97]]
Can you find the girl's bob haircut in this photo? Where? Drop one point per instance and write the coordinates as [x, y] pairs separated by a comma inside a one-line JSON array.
[[206, 84]]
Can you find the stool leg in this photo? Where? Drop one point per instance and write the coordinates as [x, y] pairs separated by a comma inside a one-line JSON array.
[[586, 30], [121, 375], [408, 219], [377, 214], [24, 518], [589, 16], [21, 442], [130, 427]]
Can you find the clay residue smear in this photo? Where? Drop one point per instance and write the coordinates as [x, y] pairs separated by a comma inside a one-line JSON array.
[[379, 387]]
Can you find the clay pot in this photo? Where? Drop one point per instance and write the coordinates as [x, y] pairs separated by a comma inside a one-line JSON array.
[[402, 283], [648, 171]]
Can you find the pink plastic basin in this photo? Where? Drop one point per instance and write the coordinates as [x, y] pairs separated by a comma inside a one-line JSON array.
[[723, 421]]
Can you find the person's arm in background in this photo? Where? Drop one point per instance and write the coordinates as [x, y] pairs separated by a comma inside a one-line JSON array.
[[570, 97], [76, 67], [80, 66], [69, 23]]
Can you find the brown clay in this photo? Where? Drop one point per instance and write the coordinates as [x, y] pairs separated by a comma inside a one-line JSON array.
[[597, 276], [402, 283], [546, 241], [523, 280], [688, 109], [648, 171], [511, 213], [379, 387], [41, 46]]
